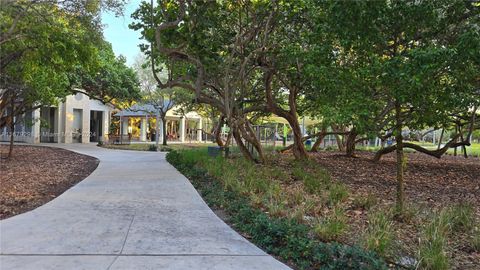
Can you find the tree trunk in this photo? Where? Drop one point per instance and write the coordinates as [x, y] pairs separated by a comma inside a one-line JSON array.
[[341, 146], [229, 139], [241, 146], [298, 149], [12, 128], [434, 153], [464, 148], [441, 138], [291, 116], [164, 129], [157, 131], [249, 134], [400, 160], [350, 145], [218, 132], [319, 140]]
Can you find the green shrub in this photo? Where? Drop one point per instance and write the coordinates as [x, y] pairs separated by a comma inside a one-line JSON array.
[[380, 234], [338, 192], [432, 251], [336, 256], [364, 202], [331, 227]]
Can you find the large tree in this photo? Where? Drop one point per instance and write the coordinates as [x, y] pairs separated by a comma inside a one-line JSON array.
[[205, 45], [51, 49], [420, 61]]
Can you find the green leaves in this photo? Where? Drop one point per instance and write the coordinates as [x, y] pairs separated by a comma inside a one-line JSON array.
[[405, 51], [50, 48]]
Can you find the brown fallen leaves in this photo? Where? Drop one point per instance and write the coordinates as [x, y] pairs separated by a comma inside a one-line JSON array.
[[430, 184], [434, 182], [36, 175]]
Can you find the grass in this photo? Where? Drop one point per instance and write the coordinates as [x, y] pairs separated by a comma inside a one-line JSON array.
[[446, 223], [379, 236], [313, 183], [364, 202], [332, 226], [433, 245], [337, 193], [461, 217]]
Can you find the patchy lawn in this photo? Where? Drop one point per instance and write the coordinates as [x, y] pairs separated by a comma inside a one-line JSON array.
[[36, 175]]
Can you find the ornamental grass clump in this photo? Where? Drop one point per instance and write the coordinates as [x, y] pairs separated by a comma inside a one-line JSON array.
[[379, 236], [332, 226], [433, 242]]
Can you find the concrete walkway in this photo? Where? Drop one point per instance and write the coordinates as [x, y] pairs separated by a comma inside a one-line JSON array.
[[135, 211]]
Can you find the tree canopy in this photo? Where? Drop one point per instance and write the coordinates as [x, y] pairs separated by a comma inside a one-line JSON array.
[[364, 69], [51, 49]]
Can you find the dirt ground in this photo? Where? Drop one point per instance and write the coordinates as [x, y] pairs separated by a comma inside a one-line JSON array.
[[36, 175], [430, 184], [430, 181]]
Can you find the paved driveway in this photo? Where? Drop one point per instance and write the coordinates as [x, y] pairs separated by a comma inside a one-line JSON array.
[[135, 211]]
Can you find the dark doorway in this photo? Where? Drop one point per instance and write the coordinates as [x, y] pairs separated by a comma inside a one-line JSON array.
[[48, 125], [96, 126]]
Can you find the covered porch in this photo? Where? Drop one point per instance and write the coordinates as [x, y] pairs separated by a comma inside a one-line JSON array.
[[141, 123]]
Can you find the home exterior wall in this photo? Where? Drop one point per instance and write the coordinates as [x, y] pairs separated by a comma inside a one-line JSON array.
[[64, 118]]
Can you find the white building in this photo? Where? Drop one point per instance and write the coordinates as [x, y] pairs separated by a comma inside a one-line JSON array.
[[83, 120], [139, 123], [77, 120]]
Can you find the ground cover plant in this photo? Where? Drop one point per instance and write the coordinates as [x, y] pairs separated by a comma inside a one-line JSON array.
[[283, 236], [355, 206]]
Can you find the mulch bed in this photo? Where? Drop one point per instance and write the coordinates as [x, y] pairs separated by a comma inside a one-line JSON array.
[[430, 183], [428, 180], [37, 175]]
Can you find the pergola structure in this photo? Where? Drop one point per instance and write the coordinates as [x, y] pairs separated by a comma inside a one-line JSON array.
[[180, 128]]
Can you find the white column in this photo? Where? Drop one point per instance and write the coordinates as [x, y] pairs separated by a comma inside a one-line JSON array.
[[160, 130], [199, 130], [67, 123], [124, 126], [143, 129], [182, 129], [85, 125], [58, 124], [36, 126], [106, 125]]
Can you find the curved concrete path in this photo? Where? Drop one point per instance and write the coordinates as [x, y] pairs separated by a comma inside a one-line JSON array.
[[135, 211]]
